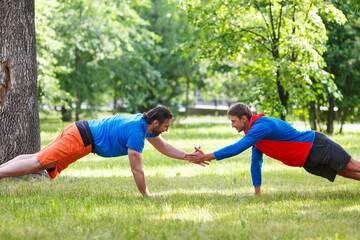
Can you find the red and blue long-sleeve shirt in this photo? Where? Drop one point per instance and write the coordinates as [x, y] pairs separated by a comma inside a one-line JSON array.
[[274, 137]]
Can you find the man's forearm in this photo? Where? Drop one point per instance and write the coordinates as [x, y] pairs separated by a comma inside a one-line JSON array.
[[135, 159], [208, 157], [173, 152], [167, 149], [139, 178]]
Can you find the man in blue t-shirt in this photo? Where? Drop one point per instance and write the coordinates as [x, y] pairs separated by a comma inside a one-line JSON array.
[[111, 137], [313, 151]]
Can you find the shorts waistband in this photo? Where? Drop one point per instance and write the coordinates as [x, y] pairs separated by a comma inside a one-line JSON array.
[[86, 134]]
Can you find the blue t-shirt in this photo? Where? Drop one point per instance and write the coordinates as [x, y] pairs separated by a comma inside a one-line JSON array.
[[114, 135]]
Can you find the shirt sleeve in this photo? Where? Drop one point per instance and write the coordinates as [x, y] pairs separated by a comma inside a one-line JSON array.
[[255, 134], [256, 164], [136, 142]]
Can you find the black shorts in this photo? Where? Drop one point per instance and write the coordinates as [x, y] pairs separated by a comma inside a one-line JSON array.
[[326, 157]]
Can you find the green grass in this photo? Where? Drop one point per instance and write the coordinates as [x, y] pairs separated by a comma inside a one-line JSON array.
[[96, 198]]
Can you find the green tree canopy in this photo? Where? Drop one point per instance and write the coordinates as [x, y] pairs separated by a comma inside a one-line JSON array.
[[281, 44]]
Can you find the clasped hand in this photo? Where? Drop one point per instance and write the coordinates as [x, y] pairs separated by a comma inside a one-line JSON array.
[[197, 157]]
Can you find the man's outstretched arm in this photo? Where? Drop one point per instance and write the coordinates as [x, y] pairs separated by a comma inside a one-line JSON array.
[[165, 148], [199, 157], [169, 150], [136, 164], [229, 151]]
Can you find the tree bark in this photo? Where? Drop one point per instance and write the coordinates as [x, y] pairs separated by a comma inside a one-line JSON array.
[[77, 80], [19, 115], [283, 94], [319, 118], [342, 119], [312, 115], [187, 96], [115, 102], [66, 114], [330, 116]]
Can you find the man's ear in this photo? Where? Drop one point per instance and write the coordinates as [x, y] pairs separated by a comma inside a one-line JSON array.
[[156, 123]]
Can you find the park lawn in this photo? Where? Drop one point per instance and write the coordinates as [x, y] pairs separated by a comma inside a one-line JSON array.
[[96, 198]]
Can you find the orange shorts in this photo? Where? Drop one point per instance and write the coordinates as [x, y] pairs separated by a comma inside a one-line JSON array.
[[65, 149]]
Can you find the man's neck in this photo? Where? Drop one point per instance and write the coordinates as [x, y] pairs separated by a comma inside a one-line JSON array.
[[247, 125]]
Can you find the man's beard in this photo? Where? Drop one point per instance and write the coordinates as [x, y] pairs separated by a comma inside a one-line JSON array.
[[156, 132]]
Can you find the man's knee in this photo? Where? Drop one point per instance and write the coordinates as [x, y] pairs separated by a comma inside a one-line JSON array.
[[353, 165], [50, 165]]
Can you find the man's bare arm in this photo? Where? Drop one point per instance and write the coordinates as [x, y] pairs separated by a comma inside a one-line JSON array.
[[165, 148], [136, 164], [169, 150]]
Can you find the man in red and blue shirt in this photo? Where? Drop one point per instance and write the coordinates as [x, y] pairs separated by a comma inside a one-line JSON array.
[[312, 150]]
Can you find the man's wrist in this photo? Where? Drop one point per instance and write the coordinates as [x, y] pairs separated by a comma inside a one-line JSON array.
[[257, 190], [208, 157], [146, 192]]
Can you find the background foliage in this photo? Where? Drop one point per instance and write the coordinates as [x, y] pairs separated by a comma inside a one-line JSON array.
[[285, 58]]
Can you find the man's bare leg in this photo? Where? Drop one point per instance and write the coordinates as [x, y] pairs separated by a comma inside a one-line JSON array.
[[18, 158], [352, 170], [23, 166]]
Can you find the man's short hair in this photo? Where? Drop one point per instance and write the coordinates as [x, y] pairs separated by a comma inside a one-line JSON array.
[[239, 110], [160, 113]]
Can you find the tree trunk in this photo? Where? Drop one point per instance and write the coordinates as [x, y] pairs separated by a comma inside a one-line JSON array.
[[66, 111], [77, 80], [187, 96], [319, 118], [312, 115], [342, 119], [115, 95], [65, 114], [19, 116], [283, 94], [78, 104], [115, 103], [330, 116]]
